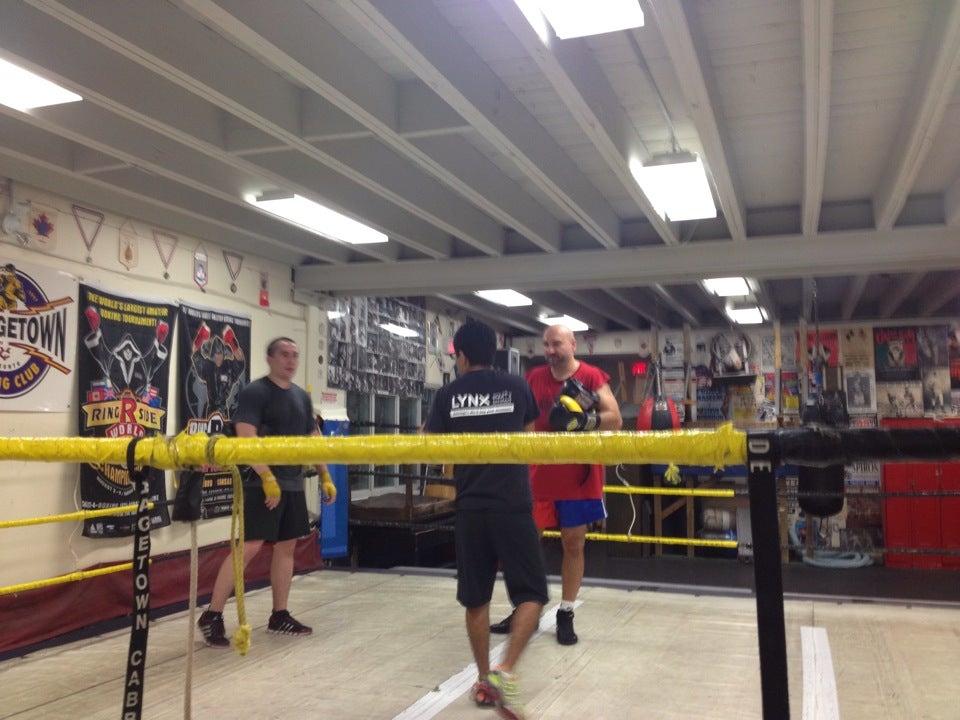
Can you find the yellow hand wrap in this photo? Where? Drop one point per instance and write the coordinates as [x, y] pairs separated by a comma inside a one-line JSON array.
[[270, 486], [327, 487]]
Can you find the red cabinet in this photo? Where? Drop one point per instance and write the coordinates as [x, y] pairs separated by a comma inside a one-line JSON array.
[[921, 522]]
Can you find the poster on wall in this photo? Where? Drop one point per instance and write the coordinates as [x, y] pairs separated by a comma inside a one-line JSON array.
[[790, 392], [936, 391], [861, 389], [768, 356], [895, 352], [856, 346], [900, 399], [123, 371], [213, 368], [38, 343], [953, 355], [788, 351], [671, 348], [829, 347]]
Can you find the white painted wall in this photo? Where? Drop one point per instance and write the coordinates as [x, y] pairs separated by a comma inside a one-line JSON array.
[[29, 489]]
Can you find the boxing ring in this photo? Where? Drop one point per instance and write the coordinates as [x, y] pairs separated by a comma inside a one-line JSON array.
[[636, 620]]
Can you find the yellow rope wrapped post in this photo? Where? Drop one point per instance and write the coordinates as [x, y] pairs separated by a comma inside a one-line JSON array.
[[241, 638]]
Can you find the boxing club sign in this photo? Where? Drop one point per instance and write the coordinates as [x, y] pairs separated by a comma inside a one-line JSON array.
[[123, 369], [38, 323]]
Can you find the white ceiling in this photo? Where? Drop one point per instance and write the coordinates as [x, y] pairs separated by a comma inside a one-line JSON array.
[[830, 132]]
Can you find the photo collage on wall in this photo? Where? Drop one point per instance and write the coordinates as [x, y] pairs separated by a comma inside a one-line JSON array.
[[365, 356]]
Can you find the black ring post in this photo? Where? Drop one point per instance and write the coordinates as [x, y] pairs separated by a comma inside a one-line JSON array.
[[762, 460]]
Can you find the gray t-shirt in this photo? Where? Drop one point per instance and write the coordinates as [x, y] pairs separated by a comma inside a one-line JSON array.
[[274, 410]]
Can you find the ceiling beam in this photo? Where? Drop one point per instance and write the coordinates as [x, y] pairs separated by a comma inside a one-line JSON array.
[[904, 289], [629, 298], [945, 292], [557, 302], [54, 176], [852, 297], [808, 298], [175, 63], [779, 256], [938, 69], [421, 38], [576, 76], [602, 303], [659, 290], [307, 48], [817, 55], [765, 298], [502, 316], [697, 87], [951, 203]]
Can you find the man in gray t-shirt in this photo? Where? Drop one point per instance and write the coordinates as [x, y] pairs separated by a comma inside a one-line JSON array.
[[274, 502]]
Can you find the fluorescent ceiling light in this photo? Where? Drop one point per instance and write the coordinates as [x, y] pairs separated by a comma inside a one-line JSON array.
[[676, 185], [750, 315], [399, 330], [509, 298], [317, 218], [565, 320], [334, 314], [24, 90], [727, 286], [579, 18]]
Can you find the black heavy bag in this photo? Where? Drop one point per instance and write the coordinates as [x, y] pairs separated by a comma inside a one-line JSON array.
[[829, 410], [658, 412]]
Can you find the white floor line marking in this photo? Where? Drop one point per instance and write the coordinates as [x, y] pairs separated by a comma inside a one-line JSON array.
[[819, 682], [452, 688]]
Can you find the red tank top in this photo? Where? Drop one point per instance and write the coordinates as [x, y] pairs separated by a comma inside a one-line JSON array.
[[563, 482]]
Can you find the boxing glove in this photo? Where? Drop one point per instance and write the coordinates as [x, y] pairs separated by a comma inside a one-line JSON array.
[[230, 338], [93, 318], [163, 329], [567, 414], [203, 334]]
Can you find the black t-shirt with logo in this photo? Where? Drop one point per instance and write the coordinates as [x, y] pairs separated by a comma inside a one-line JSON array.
[[486, 401]]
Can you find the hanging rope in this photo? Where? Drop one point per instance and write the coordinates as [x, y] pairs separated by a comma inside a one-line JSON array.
[[192, 621], [241, 638]]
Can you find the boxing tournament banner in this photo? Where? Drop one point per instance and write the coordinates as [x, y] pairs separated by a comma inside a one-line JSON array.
[[38, 344], [213, 369], [123, 375]]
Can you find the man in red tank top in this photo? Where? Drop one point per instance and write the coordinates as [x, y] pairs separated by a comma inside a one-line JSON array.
[[572, 396]]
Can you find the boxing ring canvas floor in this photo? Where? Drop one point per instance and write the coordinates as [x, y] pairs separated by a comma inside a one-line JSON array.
[[382, 641]]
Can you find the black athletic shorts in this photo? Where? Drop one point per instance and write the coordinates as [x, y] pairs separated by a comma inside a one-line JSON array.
[[487, 539], [287, 521]]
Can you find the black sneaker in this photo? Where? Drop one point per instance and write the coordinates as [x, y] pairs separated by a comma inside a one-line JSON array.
[[211, 625], [565, 633], [503, 627], [283, 623]]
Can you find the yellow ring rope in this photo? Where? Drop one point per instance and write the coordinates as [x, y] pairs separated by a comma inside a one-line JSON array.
[[67, 517], [715, 448], [685, 492], [653, 539], [68, 578]]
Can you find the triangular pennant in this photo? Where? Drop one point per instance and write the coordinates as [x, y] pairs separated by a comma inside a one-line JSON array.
[[129, 250], [89, 223], [166, 243], [234, 262]]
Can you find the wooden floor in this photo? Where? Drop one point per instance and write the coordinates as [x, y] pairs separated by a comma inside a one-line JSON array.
[[383, 641]]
